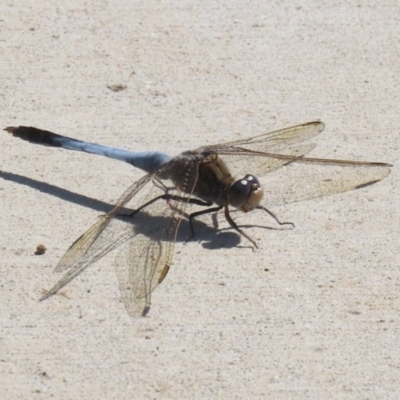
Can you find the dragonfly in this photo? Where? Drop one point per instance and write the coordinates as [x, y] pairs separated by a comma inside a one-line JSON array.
[[202, 177]]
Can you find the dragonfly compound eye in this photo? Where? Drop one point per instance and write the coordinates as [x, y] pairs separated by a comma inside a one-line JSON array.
[[245, 193]]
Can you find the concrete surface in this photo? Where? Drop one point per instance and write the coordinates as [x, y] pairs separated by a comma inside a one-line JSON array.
[[314, 313]]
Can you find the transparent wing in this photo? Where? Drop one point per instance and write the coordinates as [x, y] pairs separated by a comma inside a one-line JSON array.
[[144, 260], [147, 241], [268, 152], [242, 161], [277, 139], [82, 245], [83, 252], [246, 156], [298, 182]]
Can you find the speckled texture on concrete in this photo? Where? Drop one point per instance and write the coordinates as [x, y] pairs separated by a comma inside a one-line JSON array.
[[314, 313]]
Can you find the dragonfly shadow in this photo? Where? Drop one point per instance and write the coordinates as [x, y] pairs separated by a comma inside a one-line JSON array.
[[208, 233], [210, 237], [221, 239], [217, 237]]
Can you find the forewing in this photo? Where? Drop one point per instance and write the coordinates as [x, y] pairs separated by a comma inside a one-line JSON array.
[[277, 139], [81, 246], [147, 239], [99, 240], [265, 153], [242, 161], [300, 182], [102, 237], [246, 156]]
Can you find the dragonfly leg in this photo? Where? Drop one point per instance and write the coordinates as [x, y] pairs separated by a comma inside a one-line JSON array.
[[274, 216], [232, 223], [131, 214], [197, 213], [168, 197]]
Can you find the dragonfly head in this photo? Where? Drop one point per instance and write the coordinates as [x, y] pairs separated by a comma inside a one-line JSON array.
[[245, 193]]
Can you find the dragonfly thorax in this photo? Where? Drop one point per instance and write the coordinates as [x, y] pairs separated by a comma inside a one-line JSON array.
[[245, 193]]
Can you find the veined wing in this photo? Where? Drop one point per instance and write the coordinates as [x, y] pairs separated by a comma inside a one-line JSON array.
[[262, 162], [239, 155], [277, 139], [298, 183], [147, 238], [81, 246], [265, 153], [145, 258], [82, 253]]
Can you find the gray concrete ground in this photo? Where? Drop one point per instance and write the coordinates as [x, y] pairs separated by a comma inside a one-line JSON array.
[[313, 313]]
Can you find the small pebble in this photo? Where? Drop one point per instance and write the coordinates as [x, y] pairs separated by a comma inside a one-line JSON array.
[[40, 249]]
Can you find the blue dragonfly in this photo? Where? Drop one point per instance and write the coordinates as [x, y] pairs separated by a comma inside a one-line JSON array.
[[146, 237]]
